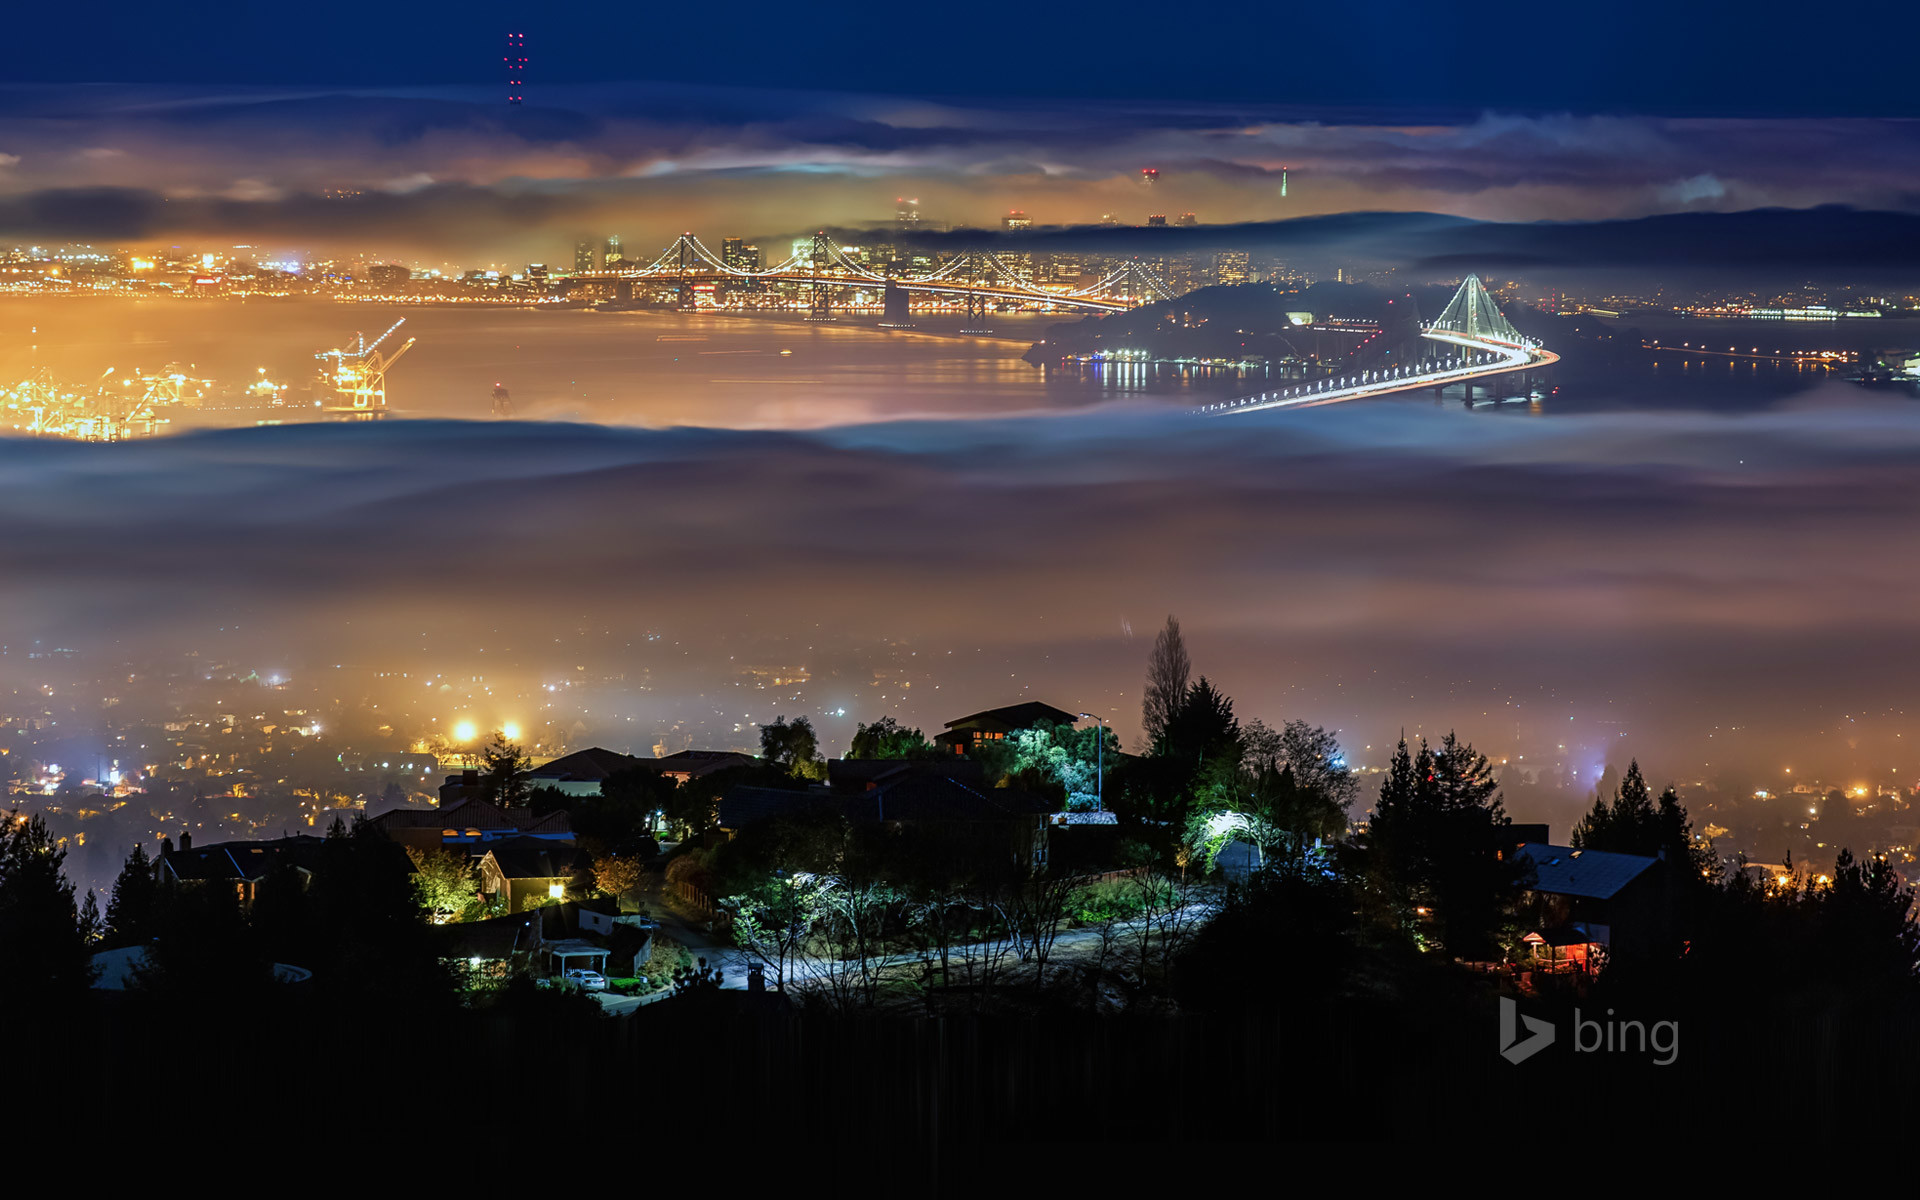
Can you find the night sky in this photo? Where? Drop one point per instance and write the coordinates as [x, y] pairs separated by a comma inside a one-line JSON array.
[[1649, 571], [1641, 56]]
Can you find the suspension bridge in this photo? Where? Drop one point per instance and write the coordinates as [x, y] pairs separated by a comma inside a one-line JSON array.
[[1470, 341], [975, 279]]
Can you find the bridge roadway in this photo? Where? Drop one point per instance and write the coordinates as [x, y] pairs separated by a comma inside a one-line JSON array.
[[934, 287], [1508, 358]]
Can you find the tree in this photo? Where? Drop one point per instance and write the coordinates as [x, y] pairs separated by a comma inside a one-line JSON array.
[[630, 802], [794, 746], [443, 881], [887, 738], [92, 925], [1626, 825], [1167, 670], [131, 906], [773, 918], [1203, 730], [41, 943], [616, 876], [1437, 846], [1061, 761], [503, 772]]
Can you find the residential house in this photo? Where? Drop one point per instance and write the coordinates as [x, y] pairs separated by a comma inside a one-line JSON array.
[[993, 725], [582, 772], [688, 765], [1583, 905], [519, 870], [470, 823], [241, 866]]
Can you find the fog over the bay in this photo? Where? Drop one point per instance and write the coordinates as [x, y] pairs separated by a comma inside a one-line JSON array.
[[1689, 588]]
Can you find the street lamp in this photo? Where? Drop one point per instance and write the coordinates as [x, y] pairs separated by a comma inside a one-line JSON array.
[[1100, 763]]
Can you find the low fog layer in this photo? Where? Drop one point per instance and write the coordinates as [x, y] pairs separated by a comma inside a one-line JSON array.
[[1696, 590]]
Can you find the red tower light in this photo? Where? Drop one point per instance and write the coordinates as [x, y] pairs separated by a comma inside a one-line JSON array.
[[516, 61]]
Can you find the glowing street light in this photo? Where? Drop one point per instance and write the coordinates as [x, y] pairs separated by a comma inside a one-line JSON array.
[[1100, 763]]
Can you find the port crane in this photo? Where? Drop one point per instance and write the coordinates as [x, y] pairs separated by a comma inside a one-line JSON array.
[[357, 374]]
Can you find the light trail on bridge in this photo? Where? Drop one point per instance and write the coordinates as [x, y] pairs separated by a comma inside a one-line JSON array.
[[1470, 321], [688, 260]]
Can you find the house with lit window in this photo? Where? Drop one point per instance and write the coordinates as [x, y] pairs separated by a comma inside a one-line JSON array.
[[520, 870], [1581, 906], [239, 866], [964, 734], [582, 772], [470, 823]]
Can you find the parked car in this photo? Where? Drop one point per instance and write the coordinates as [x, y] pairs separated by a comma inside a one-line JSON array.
[[587, 981]]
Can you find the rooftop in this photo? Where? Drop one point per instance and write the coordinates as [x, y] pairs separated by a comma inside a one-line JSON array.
[[1600, 874]]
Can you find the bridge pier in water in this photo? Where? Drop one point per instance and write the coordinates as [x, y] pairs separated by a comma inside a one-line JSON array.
[[976, 321], [894, 311]]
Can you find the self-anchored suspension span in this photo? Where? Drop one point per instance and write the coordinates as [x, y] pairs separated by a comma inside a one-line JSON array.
[[1472, 341]]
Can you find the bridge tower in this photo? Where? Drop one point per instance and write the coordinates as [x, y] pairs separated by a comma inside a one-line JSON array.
[[895, 314], [820, 306], [976, 321]]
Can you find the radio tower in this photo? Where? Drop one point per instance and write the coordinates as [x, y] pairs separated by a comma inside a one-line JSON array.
[[516, 61]]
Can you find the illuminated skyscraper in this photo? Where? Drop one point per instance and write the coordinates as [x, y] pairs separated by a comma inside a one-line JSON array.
[[906, 213], [1187, 219], [1157, 220], [613, 256], [583, 256], [1149, 175], [1232, 266], [1017, 220]]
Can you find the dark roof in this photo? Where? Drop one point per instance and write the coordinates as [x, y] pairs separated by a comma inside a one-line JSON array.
[[916, 796], [865, 774], [1017, 716], [474, 814], [926, 797], [859, 774], [1599, 874], [743, 805], [1520, 835], [534, 858], [593, 763], [696, 763], [242, 860]]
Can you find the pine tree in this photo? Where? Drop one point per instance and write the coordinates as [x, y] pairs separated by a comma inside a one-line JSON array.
[[1203, 730], [92, 925], [132, 907], [1627, 825], [43, 953], [1438, 842]]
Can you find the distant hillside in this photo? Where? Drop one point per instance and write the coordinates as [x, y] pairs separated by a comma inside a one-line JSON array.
[[1231, 321]]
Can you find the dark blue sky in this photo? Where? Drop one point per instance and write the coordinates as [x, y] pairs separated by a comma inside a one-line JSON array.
[[1645, 56]]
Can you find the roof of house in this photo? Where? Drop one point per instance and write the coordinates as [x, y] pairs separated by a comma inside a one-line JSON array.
[[744, 805], [241, 860], [590, 764], [1017, 716], [534, 858], [859, 774], [917, 796], [1599, 874], [925, 797], [474, 814], [695, 763]]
